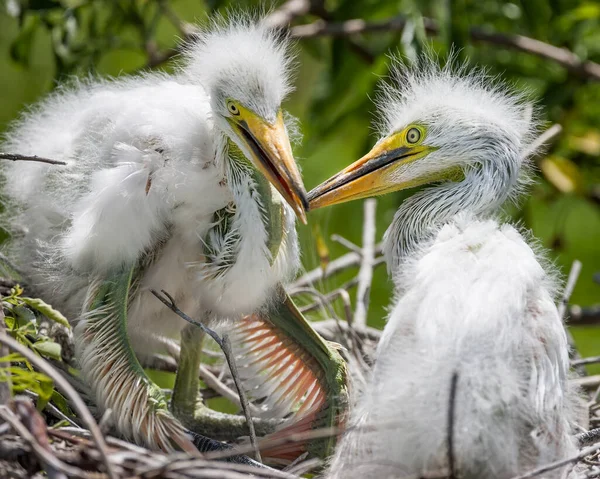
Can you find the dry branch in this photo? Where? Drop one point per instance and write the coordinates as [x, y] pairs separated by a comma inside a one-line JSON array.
[[37, 159], [561, 56], [225, 346], [367, 260], [338, 265], [63, 385]]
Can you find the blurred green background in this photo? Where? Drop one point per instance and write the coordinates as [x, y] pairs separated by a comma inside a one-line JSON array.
[[44, 41]]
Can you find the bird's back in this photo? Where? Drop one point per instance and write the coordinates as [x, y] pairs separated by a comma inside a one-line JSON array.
[[476, 302], [133, 148]]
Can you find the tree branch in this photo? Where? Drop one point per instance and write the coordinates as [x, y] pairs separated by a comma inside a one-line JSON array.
[[561, 56], [63, 385], [38, 159], [286, 13], [365, 274], [338, 265]]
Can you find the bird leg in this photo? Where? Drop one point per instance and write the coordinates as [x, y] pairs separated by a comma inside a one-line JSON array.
[[187, 403]]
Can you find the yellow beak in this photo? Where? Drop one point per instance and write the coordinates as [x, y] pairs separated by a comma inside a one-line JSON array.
[[374, 174], [272, 154]]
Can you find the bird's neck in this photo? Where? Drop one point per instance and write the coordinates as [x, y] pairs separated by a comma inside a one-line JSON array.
[[479, 195], [256, 214]]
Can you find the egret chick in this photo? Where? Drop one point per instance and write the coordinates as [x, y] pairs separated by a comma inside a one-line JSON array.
[[473, 295], [184, 183]]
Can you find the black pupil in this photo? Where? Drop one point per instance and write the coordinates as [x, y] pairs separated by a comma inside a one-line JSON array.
[[413, 136], [233, 108]]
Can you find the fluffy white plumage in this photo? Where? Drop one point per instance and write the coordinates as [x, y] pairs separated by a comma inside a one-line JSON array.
[[147, 169], [473, 297]]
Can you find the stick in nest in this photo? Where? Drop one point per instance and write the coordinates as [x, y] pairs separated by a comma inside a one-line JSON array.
[[225, 346]]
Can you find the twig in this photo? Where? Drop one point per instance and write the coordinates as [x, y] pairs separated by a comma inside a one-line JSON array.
[[587, 382], [365, 274], [451, 418], [49, 459], [36, 425], [561, 56], [327, 327], [570, 286], [346, 243], [221, 388], [225, 345], [584, 316], [243, 399], [562, 309], [38, 159], [286, 13], [338, 265], [62, 384], [541, 140], [582, 361], [563, 462], [53, 410]]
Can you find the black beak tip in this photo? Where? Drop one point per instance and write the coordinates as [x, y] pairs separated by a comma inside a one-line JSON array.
[[305, 202]]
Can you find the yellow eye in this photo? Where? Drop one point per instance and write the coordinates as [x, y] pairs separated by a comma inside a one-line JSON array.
[[233, 109], [413, 135]]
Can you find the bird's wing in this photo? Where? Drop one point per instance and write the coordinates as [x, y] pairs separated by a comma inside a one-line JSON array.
[[116, 377], [296, 373], [135, 150]]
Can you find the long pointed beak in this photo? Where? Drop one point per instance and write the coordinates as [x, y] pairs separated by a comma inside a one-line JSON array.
[[272, 153], [371, 175]]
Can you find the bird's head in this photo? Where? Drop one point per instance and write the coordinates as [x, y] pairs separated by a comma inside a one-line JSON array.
[[437, 124], [246, 68]]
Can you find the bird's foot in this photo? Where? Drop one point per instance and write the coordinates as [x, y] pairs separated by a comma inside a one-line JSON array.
[[224, 427]]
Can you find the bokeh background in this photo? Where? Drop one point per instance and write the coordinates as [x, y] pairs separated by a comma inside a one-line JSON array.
[[545, 46]]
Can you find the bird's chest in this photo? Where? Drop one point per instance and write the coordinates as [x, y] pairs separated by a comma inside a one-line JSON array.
[[241, 260]]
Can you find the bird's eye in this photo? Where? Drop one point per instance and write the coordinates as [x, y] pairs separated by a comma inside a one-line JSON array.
[[233, 109], [413, 135]]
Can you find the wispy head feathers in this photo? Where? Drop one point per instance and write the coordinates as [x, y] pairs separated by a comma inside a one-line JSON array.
[[244, 60], [427, 92]]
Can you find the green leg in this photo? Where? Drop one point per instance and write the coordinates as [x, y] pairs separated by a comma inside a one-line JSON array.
[[187, 403]]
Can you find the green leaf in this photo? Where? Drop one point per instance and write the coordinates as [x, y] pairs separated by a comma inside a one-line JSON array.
[[61, 403], [47, 310], [48, 348], [24, 315], [20, 48]]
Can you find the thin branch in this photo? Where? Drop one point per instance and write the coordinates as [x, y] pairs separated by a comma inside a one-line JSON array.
[[38, 159], [63, 385], [563, 462], [561, 56], [225, 345], [582, 361], [365, 274], [562, 309], [36, 425], [221, 388], [570, 286], [584, 316], [286, 13], [44, 455], [349, 245], [543, 139], [229, 356]]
